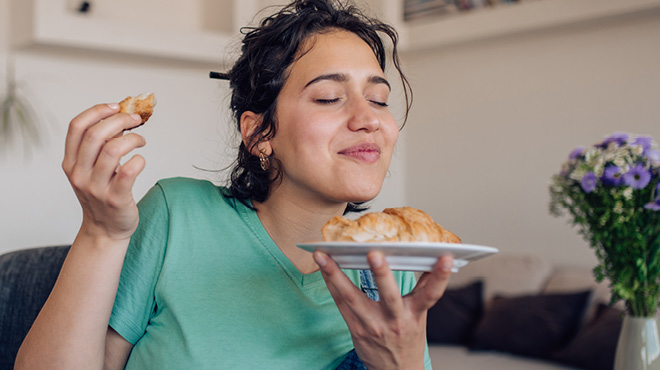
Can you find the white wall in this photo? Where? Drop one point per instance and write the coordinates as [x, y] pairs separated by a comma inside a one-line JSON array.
[[38, 206], [493, 120]]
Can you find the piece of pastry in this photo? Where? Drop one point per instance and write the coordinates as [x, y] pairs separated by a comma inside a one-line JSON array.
[[404, 224], [142, 105]]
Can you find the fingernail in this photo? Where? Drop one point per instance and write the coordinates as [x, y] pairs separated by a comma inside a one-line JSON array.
[[113, 106], [136, 117], [446, 264], [376, 259], [320, 259]]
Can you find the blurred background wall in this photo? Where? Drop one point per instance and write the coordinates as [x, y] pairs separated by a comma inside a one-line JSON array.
[[493, 120]]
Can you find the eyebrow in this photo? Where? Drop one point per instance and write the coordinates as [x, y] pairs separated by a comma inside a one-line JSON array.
[[342, 77]]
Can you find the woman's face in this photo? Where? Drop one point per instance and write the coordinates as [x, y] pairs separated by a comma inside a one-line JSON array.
[[335, 134]]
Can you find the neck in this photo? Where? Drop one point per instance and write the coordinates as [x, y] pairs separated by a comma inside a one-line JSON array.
[[289, 221]]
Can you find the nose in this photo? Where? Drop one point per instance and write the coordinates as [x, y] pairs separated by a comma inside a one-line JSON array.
[[362, 116]]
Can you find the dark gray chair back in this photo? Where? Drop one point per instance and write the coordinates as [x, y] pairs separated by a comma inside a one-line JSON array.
[[26, 278]]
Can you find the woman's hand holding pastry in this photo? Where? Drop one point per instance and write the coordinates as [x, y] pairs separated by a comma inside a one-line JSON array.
[[95, 144], [390, 334]]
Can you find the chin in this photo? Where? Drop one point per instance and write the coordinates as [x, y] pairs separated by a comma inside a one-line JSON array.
[[363, 195]]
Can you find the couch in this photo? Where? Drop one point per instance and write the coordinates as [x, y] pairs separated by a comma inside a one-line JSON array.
[[26, 278], [496, 313], [521, 312]]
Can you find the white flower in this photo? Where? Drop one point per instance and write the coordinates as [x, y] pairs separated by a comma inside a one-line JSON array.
[[597, 163], [628, 193], [577, 174], [621, 162], [598, 169], [618, 207], [591, 154]]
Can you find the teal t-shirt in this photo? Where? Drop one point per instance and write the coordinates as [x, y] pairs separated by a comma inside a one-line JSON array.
[[203, 286]]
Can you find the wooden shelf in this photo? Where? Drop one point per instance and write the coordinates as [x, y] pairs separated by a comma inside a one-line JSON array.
[[515, 18]]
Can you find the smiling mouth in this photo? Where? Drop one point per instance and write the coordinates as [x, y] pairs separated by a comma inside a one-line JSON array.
[[363, 152]]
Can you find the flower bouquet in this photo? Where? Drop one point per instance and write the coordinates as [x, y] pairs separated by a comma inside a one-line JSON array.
[[611, 191]]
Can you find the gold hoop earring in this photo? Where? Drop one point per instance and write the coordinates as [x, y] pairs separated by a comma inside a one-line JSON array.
[[264, 161]]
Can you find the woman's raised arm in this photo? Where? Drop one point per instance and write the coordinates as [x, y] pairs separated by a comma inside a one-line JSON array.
[[71, 331]]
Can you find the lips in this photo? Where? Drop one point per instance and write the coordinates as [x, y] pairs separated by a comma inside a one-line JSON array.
[[367, 152]]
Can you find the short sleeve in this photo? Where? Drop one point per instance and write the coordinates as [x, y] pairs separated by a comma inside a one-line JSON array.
[[135, 301]]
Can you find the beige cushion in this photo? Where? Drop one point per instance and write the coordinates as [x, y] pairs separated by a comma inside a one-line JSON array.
[[573, 279], [576, 279], [505, 274], [461, 358]]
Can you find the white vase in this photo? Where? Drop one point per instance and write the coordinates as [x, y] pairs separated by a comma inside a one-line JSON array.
[[638, 347]]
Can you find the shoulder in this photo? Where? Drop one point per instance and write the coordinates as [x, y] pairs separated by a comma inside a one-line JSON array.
[[190, 193], [185, 183], [178, 187]]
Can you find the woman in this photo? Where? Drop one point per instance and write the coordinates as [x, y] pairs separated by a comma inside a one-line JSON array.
[[211, 277]]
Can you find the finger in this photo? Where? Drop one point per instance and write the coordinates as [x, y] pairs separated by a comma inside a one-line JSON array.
[[97, 135], [353, 304], [110, 156], [433, 286], [448, 265], [346, 312], [388, 289], [79, 126], [123, 182], [345, 292]]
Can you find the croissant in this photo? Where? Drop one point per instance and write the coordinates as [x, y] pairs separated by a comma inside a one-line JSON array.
[[142, 105], [403, 224]]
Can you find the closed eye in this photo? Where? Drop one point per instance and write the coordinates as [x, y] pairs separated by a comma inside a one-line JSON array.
[[327, 101], [379, 103]]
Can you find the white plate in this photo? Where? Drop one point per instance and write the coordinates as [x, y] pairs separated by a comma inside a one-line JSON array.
[[405, 256]]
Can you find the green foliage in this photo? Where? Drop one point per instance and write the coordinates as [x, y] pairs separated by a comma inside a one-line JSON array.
[[18, 118], [618, 221]]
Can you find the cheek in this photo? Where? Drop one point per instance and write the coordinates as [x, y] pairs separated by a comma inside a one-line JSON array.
[[395, 132], [391, 132], [303, 137]]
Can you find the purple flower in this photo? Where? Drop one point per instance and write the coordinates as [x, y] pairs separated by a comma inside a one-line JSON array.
[[654, 205], [618, 137], [653, 155], [576, 153], [612, 175], [638, 177], [588, 182], [644, 141]]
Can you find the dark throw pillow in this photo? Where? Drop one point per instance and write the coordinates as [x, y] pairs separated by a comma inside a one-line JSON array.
[[593, 348], [530, 325], [454, 317]]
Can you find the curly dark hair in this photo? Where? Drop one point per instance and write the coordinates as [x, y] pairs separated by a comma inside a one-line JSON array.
[[260, 72]]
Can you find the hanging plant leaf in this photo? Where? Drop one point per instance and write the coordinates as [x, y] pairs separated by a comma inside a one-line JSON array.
[[19, 122]]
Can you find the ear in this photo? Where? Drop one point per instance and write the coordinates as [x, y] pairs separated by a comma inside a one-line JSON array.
[[250, 122]]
